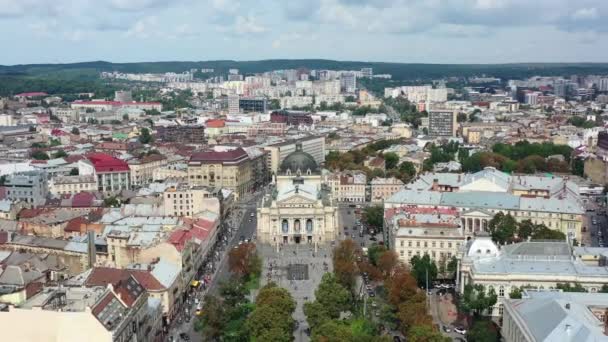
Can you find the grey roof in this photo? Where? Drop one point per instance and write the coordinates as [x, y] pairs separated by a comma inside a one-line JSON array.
[[165, 272], [480, 199], [560, 316]]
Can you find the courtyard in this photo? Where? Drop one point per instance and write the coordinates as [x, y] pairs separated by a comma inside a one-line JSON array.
[[297, 268]]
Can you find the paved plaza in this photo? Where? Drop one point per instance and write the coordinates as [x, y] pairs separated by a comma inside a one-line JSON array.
[[299, 269]]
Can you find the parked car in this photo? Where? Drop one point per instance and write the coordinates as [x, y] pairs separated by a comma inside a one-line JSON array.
[[447, 329], [460, 330]]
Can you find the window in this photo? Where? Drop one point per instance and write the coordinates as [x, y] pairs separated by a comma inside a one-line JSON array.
[[401, 253], [402, 243], [425, 244], [433, 244], [449, 245], [409, 243], [501, 291], [417, 243]]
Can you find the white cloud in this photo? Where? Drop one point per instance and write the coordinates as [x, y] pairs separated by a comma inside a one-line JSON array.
[[244, 25], [144, 28], [586, 14]]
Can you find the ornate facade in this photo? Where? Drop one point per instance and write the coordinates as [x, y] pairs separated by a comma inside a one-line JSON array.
[[300, 210]]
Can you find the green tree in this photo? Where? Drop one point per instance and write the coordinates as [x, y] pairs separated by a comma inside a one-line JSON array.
[[272, 320], [332, 294], [425, 333], [345, 263], [462, 117], [111, 202], [74, 171], [578, 167], [373, 253], [390, 160], [233, 292], [40, 155], [544, 233], [75, 131], [502, 228], [213, 318], [274, 104], [374, 216], [525, 229], [316, 314], [452, 265], [475, 300], [423, 269], [334, 331], [407, 171], [567, 287], [482, 331], [144, 136], [60, 154], [516, 293]]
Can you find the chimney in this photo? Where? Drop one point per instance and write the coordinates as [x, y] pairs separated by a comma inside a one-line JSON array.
[[435, 186]]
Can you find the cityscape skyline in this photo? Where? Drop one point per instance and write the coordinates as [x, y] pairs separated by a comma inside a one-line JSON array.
[[460, 32]]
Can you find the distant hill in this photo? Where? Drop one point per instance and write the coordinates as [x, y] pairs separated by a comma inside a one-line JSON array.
[[400, 71]]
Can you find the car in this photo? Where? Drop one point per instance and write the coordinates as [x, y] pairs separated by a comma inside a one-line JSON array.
[[447, 329], [460, 330], [251, 215], [184, 336]]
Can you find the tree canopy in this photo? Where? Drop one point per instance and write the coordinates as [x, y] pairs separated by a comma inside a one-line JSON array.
[[476, 299]]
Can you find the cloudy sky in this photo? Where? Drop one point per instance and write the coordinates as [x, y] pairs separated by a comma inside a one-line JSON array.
[[428, 31]]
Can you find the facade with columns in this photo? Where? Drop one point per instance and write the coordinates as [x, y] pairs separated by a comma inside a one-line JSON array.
[[300, 209]]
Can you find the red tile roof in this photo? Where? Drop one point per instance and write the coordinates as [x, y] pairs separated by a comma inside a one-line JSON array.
[[32, 94], [106, 163], [83, 200], [102, 276], [215, 123], [74, 224], [179, 238], [234, 155]]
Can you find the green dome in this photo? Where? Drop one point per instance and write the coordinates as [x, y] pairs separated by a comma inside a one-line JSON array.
[[299, 161]]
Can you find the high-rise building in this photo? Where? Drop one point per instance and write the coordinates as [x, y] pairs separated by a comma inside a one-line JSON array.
[[233, 104], [348, 82], [367, 72], [253, 104], [603, 84], [442, 123]]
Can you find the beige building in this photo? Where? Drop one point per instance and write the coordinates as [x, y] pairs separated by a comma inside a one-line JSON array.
[[537, 265], [299, 210], [348, 186], [383, 188], [187, 201], [75, 314], [177, 172], [419, 231], [142, 169], [62, 185], [227, 168], [404, 130]]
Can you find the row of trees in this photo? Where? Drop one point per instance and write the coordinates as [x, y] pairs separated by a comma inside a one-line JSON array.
[[232, 317], [505, 229], [405, 307], [523, 157]]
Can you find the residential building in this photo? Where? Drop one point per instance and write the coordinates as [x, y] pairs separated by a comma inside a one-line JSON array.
[[442, 123], [185, 134], [300, 210], [83, 314], [62, 185], [348, 186], [30, 187], [383, 188], [142, 169], [222, 167], [177, 172], [348, 82], [418, 231], [187, 201], [233, 104], [555, 316], [540, 265], [113, 174]]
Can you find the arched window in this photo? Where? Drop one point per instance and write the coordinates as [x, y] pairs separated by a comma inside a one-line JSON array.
[[285, 226], [309, 225], [296, 226]]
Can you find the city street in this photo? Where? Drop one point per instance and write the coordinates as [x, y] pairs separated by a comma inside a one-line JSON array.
[[349, 228], [239, 224], [594, 211]]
